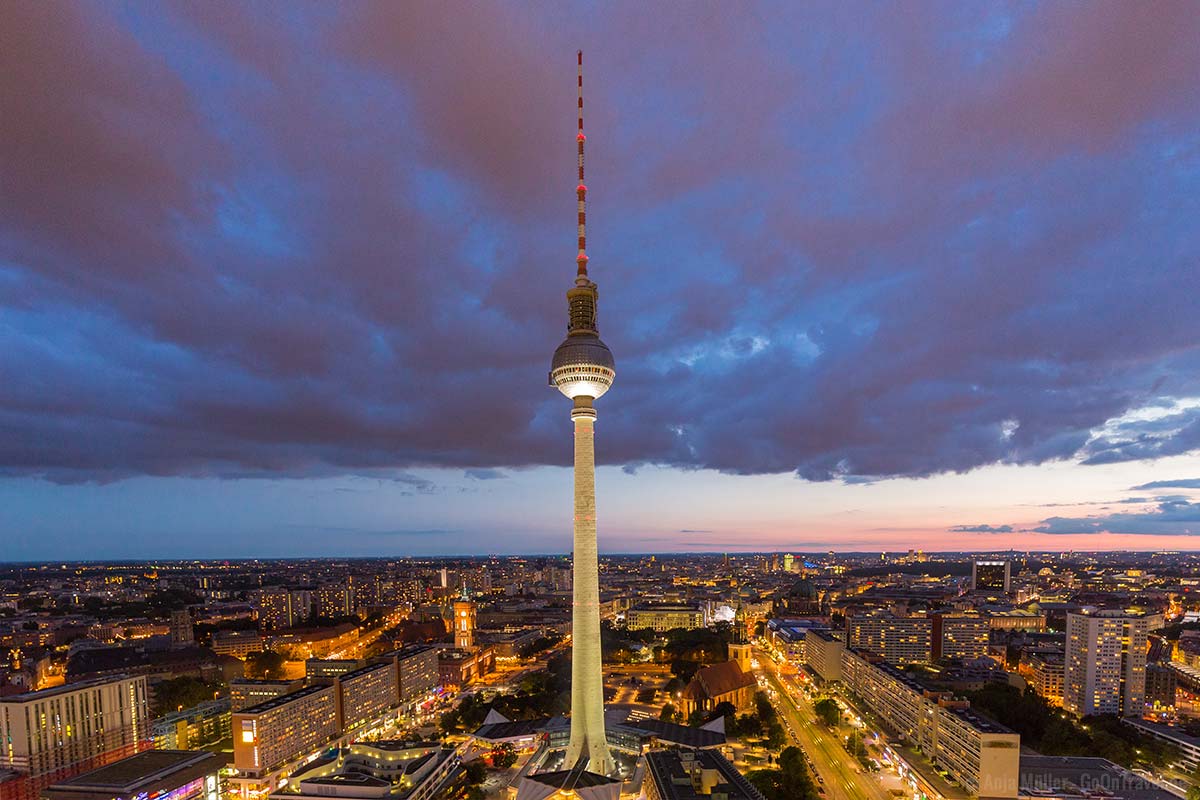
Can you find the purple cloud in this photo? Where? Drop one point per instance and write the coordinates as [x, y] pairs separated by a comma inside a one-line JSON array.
[[336, 241]]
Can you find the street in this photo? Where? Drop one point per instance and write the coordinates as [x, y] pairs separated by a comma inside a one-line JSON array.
[[843, 778]]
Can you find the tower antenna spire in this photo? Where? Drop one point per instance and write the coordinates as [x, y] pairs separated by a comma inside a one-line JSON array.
[[581, 190]]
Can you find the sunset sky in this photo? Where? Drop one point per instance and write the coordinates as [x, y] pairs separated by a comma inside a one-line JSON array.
[[284, 280]]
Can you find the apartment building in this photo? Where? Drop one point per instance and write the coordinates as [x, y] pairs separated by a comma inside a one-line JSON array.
[[417, 672], [982, 756], [823, 654], [1105, 670], [365, 695], [964, 637], [246, 692], [55, 734], [271, 738], [899, 640], [1045, 673]]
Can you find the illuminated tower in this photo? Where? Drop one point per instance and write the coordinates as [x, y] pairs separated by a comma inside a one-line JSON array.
[[583, 370], [464, 621]]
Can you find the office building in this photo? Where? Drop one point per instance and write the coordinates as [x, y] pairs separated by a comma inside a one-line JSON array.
[[583, 369], [271, 738], [686, 774], [982, 756], [899, 640], [991, 576], [665, 617], [166, 774], [55, 734], [1105, 670]]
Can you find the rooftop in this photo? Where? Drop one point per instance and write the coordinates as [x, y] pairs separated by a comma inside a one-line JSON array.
[[275, 702], [66, 688], [671, 772], [128, 774], [1084, 777]]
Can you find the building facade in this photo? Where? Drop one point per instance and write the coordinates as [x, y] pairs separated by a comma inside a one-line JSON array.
[[663, 617], [1105, 668], [991, 576], [55, 734], [271, 737], [899, 640], [160, 774], [979, 754]]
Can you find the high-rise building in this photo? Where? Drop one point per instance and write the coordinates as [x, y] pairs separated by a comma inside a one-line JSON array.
[[788, 562], [991, 576], [55, 734], [280, 607], [1105, 669], [333, 600], [273, 737], [583, 369]]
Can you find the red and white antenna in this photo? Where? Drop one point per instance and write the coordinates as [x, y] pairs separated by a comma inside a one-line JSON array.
[[581, 189]]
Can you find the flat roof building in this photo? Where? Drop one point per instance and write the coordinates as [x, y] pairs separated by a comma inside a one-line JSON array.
[[663, 617], [269, 737], [695, 775], [981, 755], [169, 774], [55, 734]]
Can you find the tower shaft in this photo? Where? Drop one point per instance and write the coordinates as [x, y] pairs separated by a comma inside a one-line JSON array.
[[587, 683]]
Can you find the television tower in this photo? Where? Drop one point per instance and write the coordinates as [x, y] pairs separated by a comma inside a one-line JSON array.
[[583, 370]]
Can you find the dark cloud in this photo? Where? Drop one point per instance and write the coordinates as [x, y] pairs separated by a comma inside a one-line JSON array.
[[336, 241], [1181, 483], [1171, 518], [485, 474], [982, 529]]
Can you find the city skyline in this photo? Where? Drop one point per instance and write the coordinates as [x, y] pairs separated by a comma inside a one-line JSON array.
[[919, 281]]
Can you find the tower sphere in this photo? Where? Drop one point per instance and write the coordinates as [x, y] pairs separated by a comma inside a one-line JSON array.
[[583, 366]]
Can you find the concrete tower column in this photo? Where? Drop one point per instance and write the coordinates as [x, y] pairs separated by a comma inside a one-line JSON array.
[[587, 677]]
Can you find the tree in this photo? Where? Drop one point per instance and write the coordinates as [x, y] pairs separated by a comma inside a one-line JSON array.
[[828, 711], [476, 772], [265, 664], [790, 781], [669, 713], [183, 692], [504, 756], [1193, 792]]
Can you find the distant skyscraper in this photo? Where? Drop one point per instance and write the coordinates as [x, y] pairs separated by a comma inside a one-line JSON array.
[[788, 562], [1105, 669], [583, 369], [990, 576]]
